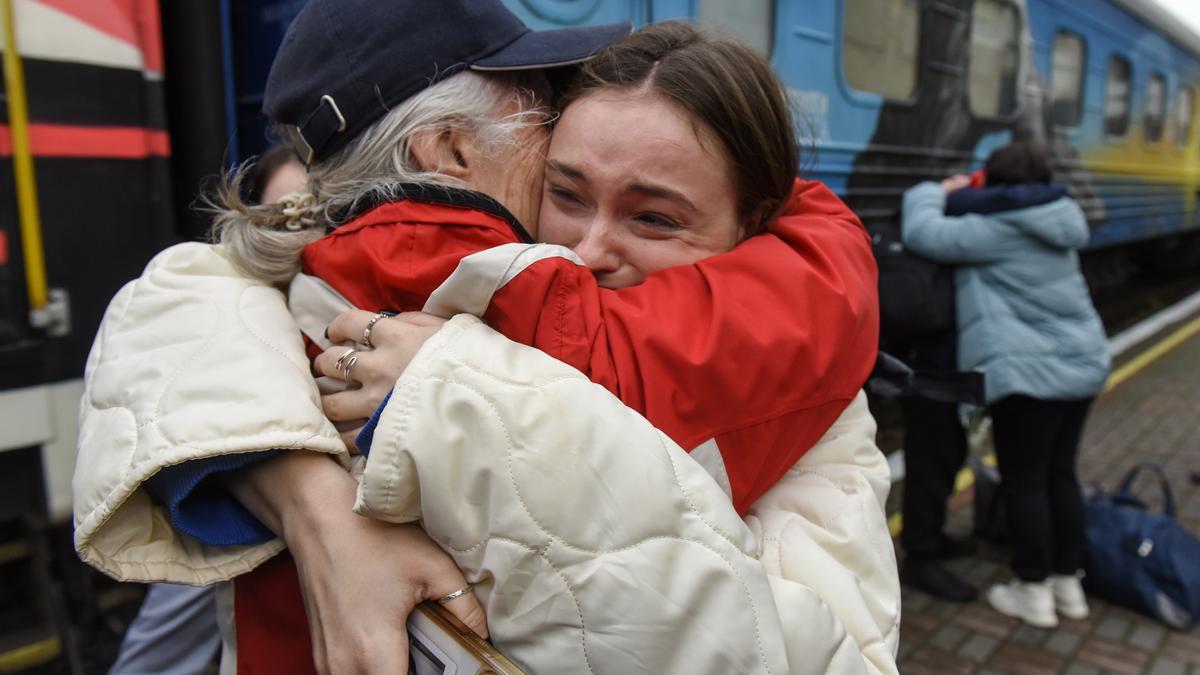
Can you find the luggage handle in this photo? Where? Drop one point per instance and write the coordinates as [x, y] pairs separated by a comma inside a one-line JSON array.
[[1127, 483]]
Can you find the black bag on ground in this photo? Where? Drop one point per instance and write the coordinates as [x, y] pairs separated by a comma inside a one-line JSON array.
[[1142, 560], [916, 294]]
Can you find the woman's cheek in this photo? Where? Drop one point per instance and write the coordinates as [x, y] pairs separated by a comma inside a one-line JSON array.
[[557, 227]]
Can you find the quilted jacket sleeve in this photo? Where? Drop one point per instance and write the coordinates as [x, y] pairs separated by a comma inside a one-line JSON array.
[[612, 551], [825, 542], [162, 387]]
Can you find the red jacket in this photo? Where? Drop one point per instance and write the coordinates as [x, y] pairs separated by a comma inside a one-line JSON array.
[[758, 349], [744, 358]]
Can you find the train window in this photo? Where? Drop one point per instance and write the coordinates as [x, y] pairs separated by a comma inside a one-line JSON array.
[[879, 46], [1116, 97], [1185, 113], [995, 56], [1154, 115], [1066, 79], [751, 22]]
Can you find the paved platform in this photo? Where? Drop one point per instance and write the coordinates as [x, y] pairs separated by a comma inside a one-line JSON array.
[[1152, 414]]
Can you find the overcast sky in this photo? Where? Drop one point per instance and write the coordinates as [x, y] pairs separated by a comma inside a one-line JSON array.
[[1187, 10]]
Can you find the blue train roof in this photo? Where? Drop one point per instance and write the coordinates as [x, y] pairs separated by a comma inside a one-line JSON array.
[[1157, 17]]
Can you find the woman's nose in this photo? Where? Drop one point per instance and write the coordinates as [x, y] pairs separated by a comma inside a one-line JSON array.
[[598, 250]]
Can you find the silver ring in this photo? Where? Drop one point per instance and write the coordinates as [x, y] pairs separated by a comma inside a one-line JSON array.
[[366, 339], [349, 364], [337, 365], [456, 594]]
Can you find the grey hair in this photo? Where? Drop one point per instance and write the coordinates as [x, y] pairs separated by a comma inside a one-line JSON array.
[[265, 240]]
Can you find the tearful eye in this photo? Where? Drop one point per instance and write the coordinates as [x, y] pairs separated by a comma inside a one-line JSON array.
[[657, 221], [564, 195]]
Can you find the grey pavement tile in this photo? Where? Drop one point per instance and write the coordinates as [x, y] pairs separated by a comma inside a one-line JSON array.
[[1080, 669], [948, 637], [1028, 635], [1165, 666], [1113, 628], [1063, 643], [942, 610], [979, 648], [1147, 636]]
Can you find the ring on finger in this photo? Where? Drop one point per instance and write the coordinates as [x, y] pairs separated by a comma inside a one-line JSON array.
[[349, 365], [337, 365], [451, 596], [366, 335]]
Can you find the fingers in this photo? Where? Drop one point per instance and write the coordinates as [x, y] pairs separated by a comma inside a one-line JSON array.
[[351, 405], [349, 325], [466, 608], [421, 319], [350, 438], [337, 361]]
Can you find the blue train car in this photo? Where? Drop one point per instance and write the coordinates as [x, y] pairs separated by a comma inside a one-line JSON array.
[[890, 92]]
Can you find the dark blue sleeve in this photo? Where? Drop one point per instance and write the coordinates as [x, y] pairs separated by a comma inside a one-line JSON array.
[[1000, 198], [199, 504], [367, 435]]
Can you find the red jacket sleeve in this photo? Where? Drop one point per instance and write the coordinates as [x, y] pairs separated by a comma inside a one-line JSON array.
[[758, 349]]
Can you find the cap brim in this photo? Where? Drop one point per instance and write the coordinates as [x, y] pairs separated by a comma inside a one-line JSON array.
[[550, 48]]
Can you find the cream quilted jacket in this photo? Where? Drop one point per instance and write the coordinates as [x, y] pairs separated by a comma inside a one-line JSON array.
[[596, 543]]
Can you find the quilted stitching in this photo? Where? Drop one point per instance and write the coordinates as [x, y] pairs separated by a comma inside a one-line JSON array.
[[470, 449], [531, 506], [161, 388]]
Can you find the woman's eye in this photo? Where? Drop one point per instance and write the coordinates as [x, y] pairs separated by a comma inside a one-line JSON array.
[[564, 195], [657, 221]]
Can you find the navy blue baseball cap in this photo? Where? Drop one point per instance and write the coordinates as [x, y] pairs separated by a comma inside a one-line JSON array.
[[344, 63]]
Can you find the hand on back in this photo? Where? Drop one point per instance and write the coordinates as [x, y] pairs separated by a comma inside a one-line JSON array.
[[396, 340]]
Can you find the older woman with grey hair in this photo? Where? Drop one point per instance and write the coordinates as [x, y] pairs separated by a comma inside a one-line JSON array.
[[409, 186]]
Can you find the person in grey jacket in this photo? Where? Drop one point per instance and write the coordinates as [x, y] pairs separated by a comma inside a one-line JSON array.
[[1026, 320]]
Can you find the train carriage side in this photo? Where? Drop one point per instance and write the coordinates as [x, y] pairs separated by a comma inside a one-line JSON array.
[[1122, 89], [898, 91]]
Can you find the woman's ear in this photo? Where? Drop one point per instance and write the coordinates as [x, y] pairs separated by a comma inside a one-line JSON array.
[[753, 224], [449, 151]]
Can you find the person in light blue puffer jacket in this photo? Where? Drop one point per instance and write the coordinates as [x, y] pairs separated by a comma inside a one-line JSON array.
[[1026, 320]]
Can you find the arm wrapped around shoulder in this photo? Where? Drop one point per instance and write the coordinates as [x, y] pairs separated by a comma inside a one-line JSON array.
[[192, 361]]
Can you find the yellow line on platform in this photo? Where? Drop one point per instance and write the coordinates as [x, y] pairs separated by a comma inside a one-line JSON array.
[[1137, 363], [29, 655]]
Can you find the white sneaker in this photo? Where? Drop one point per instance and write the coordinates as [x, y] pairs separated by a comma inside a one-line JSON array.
[[1029, 601], [1069, 599]]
